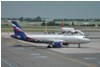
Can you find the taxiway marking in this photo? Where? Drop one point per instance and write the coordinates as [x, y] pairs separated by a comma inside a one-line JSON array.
[[70, 59], [7, 63], [89, 58]]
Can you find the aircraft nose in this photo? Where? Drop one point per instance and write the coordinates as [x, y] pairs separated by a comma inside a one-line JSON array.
[[86, 40]]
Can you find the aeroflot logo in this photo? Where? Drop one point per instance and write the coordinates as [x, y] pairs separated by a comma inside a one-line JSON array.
[[17, 28]]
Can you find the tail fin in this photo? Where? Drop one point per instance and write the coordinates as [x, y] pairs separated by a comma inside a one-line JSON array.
[[18, 31], [62, 23]]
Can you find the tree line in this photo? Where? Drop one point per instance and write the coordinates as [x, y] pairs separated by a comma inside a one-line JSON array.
[[40, 19]]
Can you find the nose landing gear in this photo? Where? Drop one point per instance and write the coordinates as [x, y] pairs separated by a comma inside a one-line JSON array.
[[79, 46]]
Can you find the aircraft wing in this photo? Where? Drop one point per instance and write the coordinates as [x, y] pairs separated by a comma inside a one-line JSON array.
[[56, 40]]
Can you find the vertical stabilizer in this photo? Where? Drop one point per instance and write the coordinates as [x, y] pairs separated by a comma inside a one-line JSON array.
[[62, 23], [18, 30]]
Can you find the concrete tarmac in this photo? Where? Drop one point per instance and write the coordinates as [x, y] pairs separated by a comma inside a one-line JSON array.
[[16, 53]]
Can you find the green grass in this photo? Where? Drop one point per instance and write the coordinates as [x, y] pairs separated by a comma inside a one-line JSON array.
[[8, 28], [49, 30], [5, 30]]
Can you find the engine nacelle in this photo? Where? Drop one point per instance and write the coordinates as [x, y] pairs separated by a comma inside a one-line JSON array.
[[57, 44]]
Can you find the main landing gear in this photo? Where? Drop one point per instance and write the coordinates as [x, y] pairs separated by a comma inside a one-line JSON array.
[[54, 45], [50, 45]]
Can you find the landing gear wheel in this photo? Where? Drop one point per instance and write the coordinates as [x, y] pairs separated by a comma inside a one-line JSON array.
[[79, 46], [48, 46]]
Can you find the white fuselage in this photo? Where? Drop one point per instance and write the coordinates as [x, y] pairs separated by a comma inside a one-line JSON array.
[[75, 39]]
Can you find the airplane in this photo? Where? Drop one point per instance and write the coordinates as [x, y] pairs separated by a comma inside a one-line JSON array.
[[71, 30], [53, 40]]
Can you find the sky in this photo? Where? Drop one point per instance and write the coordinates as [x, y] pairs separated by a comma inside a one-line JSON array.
[[50, 9]]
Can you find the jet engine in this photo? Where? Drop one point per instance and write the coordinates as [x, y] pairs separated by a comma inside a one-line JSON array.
[[56, 44]]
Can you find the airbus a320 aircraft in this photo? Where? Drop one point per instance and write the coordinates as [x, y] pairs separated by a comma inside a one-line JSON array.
[[53, 40], [71, 30]]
